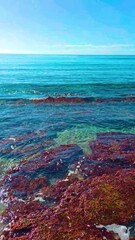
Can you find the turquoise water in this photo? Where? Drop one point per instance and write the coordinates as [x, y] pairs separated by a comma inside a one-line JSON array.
[[37, 76], [24, 77]]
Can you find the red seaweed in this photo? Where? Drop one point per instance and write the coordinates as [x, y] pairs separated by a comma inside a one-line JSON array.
[[100, 190], [83, 204], [117, 147]]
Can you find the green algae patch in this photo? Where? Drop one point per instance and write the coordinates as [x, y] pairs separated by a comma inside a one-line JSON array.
[[83, 134]]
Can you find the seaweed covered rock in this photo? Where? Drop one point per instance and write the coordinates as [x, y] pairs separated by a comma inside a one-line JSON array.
[[31, 176], [53, 163], [82, 206], [64, 195], [106, 199], [61, 100], [112, 146], [32, 222]]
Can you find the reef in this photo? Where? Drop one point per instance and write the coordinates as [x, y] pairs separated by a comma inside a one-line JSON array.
[[65, 195], [62, 99], [70, 99]]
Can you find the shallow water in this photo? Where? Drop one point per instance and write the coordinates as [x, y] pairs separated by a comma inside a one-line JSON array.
[[37, 76], [29, 128]]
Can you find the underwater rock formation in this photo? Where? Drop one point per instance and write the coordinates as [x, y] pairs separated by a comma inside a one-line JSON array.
[[112, 146]]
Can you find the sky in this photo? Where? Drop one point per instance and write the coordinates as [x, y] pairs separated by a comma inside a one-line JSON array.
[[67, 26]]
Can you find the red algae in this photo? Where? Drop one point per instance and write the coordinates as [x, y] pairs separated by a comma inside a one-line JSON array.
[[53, 163], [48, 224], [106, 199], [114, 147], [30, 176], [73, 99], [107, 100], [59, 100], [82, 205], [22, 186], [100, 190], [63, 99], [88, 170]]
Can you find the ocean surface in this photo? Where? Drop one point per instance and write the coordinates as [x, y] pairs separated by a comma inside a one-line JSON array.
[[39, 76], [101, 90]]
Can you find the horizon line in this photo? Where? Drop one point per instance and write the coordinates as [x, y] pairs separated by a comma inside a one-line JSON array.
[[82, 54]]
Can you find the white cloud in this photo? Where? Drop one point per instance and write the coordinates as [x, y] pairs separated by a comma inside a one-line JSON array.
[[76, 49], [91, 46]]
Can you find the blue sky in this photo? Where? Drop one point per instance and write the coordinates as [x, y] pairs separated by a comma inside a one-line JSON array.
[[67, 26]]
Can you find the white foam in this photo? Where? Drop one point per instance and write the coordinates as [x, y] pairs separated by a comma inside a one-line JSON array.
[[122, 231], [40, 199], [13, 139]]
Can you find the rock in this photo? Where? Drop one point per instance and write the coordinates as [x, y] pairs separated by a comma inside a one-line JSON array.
[[81, 206], [117, 147]]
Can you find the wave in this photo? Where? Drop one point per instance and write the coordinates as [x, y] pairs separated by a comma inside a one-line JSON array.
[[81, 100], [30, 91], [49, 84], [63, 99]]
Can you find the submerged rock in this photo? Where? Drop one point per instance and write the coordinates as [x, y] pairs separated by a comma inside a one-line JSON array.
[[86, 136], [112, 146], [30, 176]]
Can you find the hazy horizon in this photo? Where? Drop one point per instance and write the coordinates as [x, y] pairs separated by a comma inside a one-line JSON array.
[[75, 54]]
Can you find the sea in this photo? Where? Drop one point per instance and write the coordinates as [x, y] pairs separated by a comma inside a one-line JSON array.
[[47, 101]]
